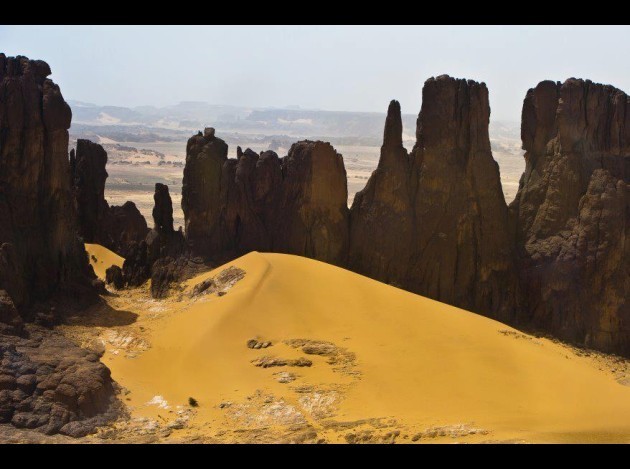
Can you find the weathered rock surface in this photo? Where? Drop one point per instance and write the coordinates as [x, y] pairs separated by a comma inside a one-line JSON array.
[[50, 384], [46, 382], [435, 222], [10, 320], [116, 227], [125, 226], [163, 209], [40, 253], [295, 205], [114, 276], [160, 256], [571, 214], [88, 170]]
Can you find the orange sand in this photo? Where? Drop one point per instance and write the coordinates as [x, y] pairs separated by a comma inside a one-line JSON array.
[[419, 364]]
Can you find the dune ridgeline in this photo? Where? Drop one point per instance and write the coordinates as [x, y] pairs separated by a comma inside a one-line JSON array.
[[281, 315]]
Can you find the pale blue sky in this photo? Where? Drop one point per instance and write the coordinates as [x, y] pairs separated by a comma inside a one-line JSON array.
[[353, 68]]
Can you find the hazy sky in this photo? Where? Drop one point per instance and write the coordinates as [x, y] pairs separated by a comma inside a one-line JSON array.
[[351, 68]]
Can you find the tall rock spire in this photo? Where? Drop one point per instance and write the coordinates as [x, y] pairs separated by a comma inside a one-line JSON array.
[[436, 222]]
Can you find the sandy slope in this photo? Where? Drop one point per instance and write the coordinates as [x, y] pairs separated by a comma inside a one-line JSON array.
[[104, 259], [397, 366]]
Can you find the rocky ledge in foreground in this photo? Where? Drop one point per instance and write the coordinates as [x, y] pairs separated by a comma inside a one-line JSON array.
[[50, 384]]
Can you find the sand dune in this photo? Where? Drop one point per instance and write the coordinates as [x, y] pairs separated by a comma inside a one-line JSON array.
[[102, 259], [386, 365]]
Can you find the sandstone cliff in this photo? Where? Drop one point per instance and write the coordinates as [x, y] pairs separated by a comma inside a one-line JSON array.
[[571, 215], [113, 227], [295, 204], [435, 221], [40, 252], [46, 381], [88, 170]]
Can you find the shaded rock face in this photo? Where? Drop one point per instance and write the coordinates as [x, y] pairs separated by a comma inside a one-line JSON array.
[[435, 222], [294, 205], [115, 227], [163, 209], [114, 276], [571, 215], [382, 225], [46, 382], [40, 252], [10, 320], [125, 226], [152, 257]]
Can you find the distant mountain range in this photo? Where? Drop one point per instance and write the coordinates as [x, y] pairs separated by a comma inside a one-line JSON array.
[[179, 121]]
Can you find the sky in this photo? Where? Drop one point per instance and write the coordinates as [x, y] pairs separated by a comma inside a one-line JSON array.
[[338, 68]]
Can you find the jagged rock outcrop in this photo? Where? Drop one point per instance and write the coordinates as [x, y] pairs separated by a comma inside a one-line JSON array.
[[382, 218], [125, 225], [162, 209], [571, 215], [114, 276], [295, 204], [46, 382], [435, 222], [156, 256], [115, 227]]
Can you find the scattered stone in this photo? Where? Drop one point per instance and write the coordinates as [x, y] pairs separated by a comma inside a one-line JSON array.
[[206, 286], [220, 283], [268, 362], [341, 359], [285, 377]]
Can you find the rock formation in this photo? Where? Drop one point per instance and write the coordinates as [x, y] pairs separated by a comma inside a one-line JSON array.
[[46, 382], [162, 209], [295, 204], [88, 170], [435, 222], [39, 251], [113, 227], [158, 255], [124, 226], [571, 214]]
